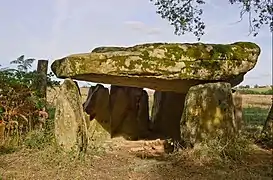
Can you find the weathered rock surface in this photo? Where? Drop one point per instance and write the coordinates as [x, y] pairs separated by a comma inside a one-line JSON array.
[[208, 113], [70, 125], [97, 105], [238, 109], [161, 66], [143, 115], [166, 113], [96, 130], [129, 112]]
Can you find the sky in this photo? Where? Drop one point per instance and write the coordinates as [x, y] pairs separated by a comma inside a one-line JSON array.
[[53, 29]]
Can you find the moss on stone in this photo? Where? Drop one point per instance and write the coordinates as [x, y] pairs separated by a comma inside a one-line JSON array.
[[215, 60], [108, 49]]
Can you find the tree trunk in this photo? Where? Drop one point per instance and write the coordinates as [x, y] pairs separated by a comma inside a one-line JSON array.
[[42, 70]]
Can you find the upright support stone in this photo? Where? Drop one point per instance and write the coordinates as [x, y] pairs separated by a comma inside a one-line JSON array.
[[127, 109], [70, 124], [143, 115], [97, 106], [166, 114], [42, 71], [208, 113], [238, 109]]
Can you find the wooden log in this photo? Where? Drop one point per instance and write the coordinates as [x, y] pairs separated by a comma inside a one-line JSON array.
[[42, 71]]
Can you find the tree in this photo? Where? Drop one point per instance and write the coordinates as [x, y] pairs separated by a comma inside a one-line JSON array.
[[22, 63], [20, 103], [186, 15]]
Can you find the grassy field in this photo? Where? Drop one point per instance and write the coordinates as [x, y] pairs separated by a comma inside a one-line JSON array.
[[121, 159], [260, 89]]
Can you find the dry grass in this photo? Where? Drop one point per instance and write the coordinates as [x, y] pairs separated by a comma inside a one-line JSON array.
[[121, 159], [253, 100], [118, 162]]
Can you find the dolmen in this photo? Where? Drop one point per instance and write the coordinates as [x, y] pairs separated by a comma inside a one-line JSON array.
[[192, 81]]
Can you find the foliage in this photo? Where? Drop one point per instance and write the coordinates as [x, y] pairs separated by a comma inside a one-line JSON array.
[[185, 15], [20, 102], [22, 63], [39, 139], [246, 86]]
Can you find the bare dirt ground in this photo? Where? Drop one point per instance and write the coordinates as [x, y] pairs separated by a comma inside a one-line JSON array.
[[121, 160]]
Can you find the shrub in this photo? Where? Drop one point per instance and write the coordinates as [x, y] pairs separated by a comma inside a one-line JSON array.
[[20, 100], [38, 139]]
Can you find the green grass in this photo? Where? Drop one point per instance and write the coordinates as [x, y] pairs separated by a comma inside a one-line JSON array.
[[254, 116], [260, 89], [254, 119]]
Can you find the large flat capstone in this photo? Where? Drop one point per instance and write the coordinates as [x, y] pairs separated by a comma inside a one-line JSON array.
[[161, 66]]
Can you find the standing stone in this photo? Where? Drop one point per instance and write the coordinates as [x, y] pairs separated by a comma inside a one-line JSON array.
[[129, 112], [238, 109], [208, 113], [97, 107], [143, 115], [70, 125], [166, 113]]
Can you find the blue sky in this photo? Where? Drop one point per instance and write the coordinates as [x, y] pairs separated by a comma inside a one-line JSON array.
[[52, 29]]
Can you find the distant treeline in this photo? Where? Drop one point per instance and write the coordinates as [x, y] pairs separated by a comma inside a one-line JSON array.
[[249, 91]]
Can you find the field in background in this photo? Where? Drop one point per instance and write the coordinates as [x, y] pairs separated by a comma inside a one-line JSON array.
[[255, 107], [259, 89], [249, 100]]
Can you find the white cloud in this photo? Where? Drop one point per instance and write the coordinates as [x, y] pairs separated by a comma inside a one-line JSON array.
[[142, 27], [78, 26]]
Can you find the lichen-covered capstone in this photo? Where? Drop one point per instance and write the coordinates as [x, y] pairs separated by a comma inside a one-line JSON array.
[[208, 113], [161, 66], [70, 125]]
